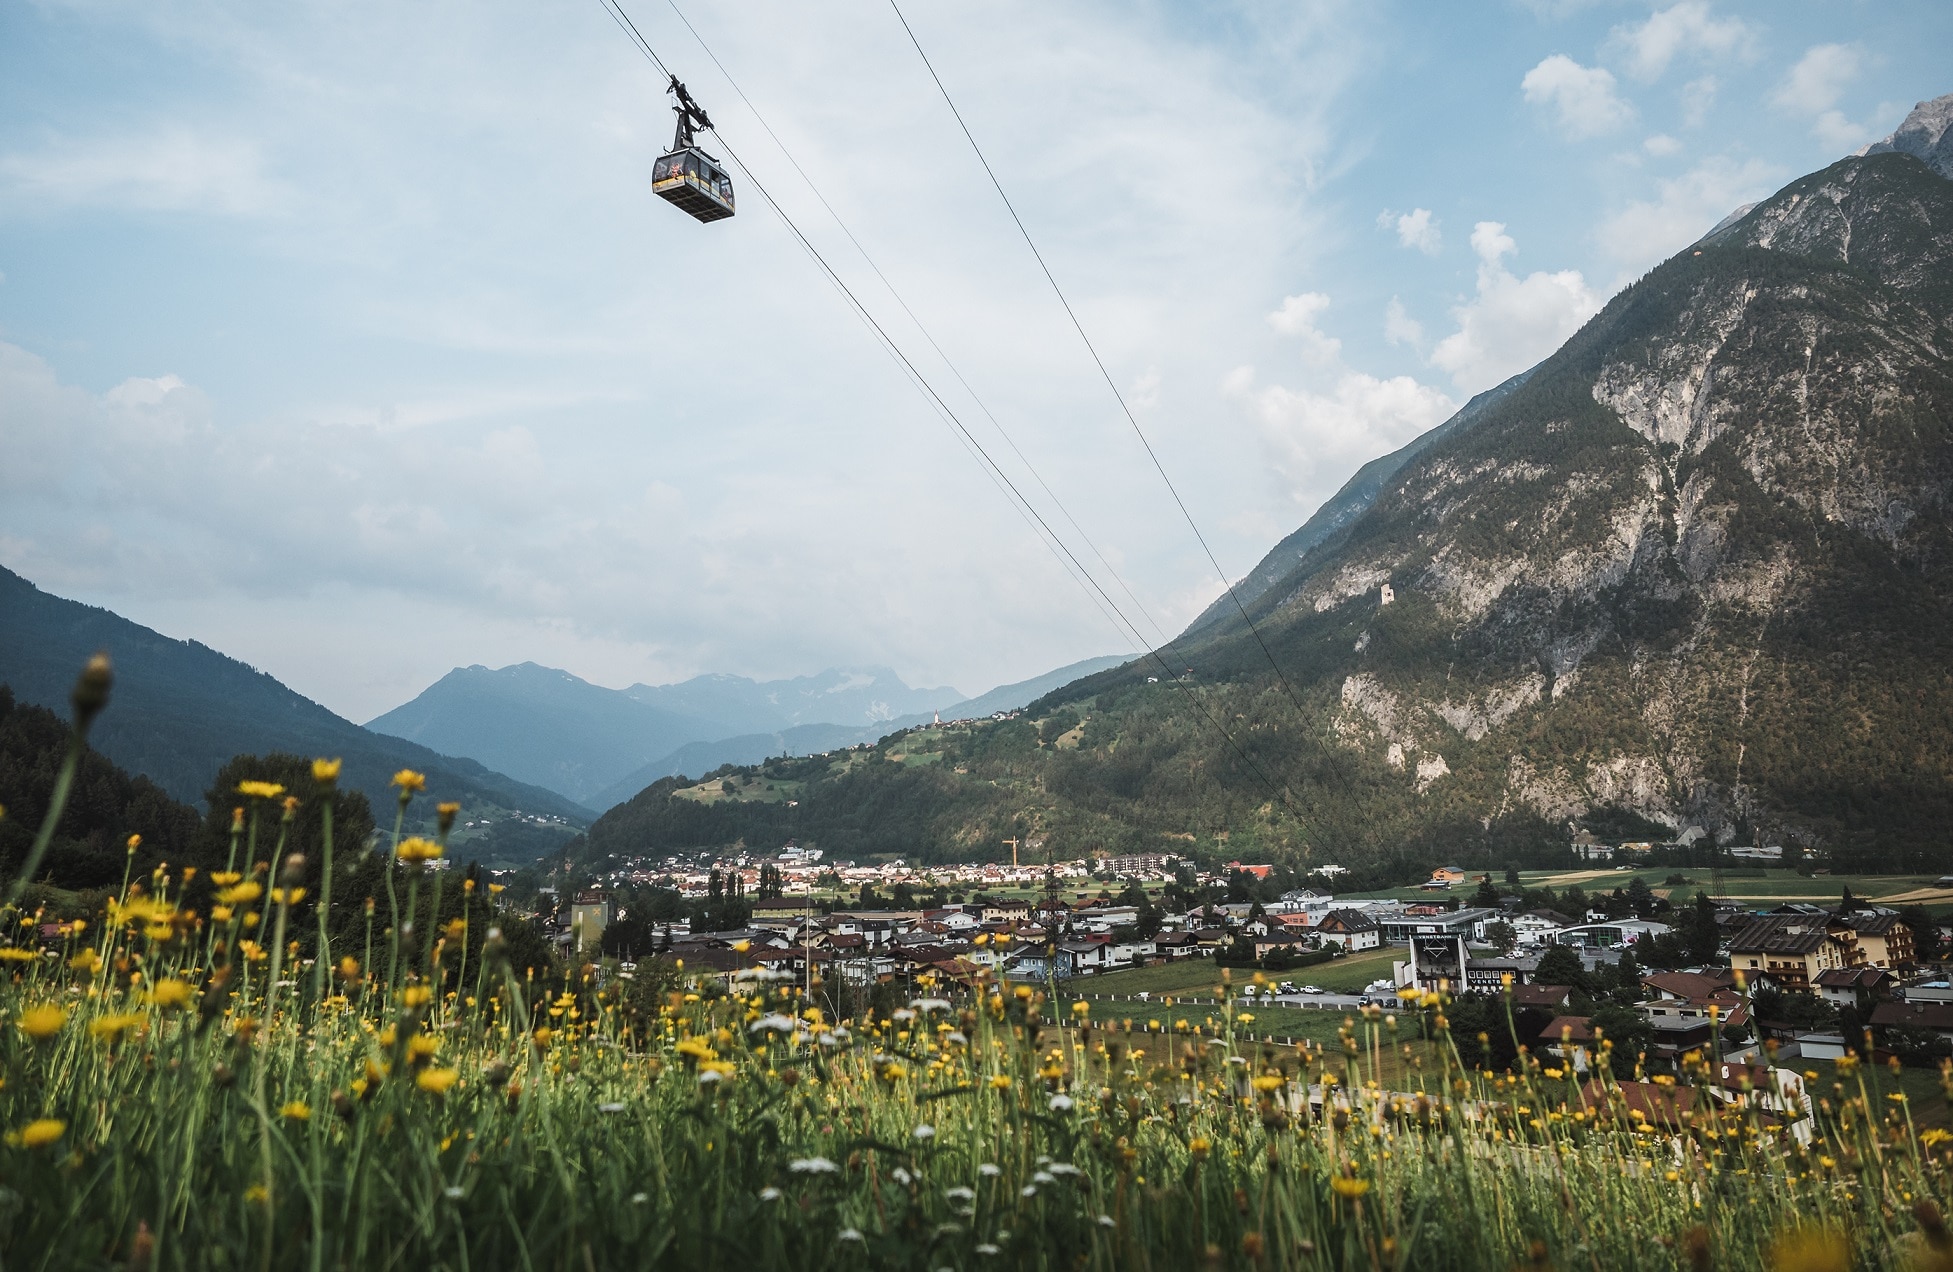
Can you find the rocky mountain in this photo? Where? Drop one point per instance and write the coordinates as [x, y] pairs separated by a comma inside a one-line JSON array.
[[1341, 510], [1927, 134], [1694, 567], [181, 710]]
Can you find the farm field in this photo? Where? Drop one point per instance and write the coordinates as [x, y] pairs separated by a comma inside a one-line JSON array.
[[1761, 886]]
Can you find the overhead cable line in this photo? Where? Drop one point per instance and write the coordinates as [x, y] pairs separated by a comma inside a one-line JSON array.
[[926, 333], [1100, 363], [615, 9]]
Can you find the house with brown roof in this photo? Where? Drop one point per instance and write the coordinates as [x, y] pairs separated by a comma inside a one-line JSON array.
[[1540, 997], [1791, 950], [1679, 996], [1935, 1018], [1881, 939], [1570, 1039], [1847, 986]]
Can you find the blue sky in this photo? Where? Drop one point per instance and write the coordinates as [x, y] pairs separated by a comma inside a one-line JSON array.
[[350, 340]]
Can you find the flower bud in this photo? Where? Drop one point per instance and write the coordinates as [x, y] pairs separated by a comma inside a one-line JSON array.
[[92, 690]]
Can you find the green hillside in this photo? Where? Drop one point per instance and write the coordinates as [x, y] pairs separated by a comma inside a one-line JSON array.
[[183, 710]]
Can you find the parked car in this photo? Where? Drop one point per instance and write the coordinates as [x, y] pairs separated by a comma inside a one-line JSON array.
[[1312, 989]]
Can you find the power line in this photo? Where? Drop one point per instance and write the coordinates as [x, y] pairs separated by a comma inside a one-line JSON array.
[[1100, 363], [927, 335], [615, 8]]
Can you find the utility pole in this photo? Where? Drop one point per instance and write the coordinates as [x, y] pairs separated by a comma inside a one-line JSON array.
[[1013, 851]]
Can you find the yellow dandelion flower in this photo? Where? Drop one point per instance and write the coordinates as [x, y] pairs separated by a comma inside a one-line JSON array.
[[111, 1027], [1000, 1083], [326, 772], [415, 848], [13, 954], [42, 1022], [436, 1081], [417, 995], [40, 1132], [295, 1111], [170, 994], [241, 893], [88, 962], [288, 896], [409, 781], [1810, 1250], [1348, 1186], [260, 790], [421, 1048]]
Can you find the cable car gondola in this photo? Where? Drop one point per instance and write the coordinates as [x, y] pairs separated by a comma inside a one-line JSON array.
[[686, 176]]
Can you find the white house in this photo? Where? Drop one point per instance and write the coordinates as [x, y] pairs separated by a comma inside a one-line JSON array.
[[1351, 929]]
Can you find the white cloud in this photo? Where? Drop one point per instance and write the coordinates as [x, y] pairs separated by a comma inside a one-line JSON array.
[[1583, 96], [1314, 437], [175, 170], [1145, 391], [1698, 99], [1417, 228], [1297, 317], [1491, 242], [1819, 79], [1644, 233], [1399, 328], [1687, 27], [1835, 132], [1511, 323], [1661, 145]]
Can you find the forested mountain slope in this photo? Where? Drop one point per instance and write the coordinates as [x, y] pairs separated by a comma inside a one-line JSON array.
[[1695, 566], [182, 709]]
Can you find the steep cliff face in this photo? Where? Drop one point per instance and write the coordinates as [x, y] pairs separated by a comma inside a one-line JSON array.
[[1697, 565]]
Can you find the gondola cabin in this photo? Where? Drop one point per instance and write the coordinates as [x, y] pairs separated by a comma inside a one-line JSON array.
[[694, 182]]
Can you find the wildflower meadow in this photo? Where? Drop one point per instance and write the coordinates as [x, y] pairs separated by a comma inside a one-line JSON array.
[[228, 1087]]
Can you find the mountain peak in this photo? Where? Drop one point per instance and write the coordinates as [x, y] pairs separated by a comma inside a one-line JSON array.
[[1926, 133]]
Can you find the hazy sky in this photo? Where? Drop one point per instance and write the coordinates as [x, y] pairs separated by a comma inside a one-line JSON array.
[[349, 339]]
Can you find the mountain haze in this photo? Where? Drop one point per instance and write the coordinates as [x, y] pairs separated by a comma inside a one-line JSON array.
[[181, 710]]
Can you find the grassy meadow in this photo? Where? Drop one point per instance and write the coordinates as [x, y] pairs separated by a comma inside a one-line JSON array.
[[228, 1089]]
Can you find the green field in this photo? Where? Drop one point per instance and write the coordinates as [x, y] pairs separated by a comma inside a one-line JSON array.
[[1759, 885]]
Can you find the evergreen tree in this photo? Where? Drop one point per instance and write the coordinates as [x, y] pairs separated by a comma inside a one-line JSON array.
[[1704, 936]]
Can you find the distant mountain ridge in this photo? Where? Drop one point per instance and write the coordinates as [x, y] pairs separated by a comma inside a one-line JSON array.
[[601, 746], [700, 758], [181, 710]]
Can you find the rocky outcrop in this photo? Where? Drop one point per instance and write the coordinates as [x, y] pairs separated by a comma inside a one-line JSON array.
[[1927, 133], [1696, 566]]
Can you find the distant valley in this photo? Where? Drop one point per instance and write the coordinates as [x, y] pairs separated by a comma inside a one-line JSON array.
[[601, 746]]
